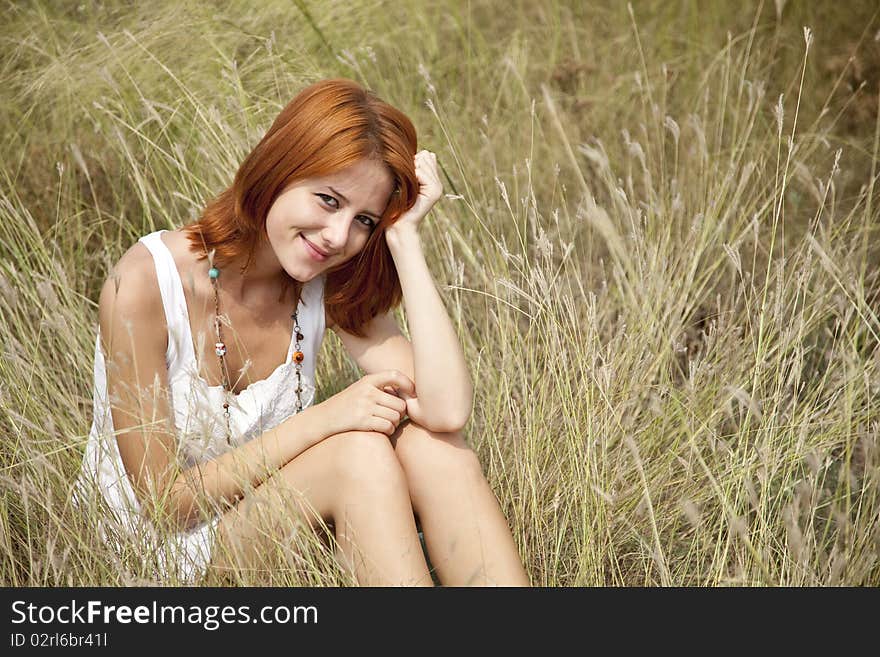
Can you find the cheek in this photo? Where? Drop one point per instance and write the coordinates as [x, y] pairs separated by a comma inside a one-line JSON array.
[[287, 218], [351, 251], [273, 226], [356, 242]]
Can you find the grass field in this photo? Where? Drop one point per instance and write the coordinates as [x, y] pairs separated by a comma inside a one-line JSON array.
[[659, 245]]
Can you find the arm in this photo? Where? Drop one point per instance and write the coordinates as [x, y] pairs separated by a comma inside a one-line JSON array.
[[443, 384], [434, 360], [137, 378]]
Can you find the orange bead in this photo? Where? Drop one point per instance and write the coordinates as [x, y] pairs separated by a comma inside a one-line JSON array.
[[299, 356]]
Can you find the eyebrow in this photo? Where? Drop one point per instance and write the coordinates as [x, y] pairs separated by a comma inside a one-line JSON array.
[[340, 195]]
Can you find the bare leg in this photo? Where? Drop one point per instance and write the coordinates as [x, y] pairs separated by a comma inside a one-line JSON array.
[[467, 536], [375, 527], [351, 480]]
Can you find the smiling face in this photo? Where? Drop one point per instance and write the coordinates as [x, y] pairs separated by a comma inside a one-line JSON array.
[[316, 224]]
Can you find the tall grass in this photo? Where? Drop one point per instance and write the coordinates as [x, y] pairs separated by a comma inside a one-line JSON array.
[[658, 246]]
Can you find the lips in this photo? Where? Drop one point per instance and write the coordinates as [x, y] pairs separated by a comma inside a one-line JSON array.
[[314, 251]]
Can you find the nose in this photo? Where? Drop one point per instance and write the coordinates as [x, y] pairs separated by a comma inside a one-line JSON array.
[[335, 233]]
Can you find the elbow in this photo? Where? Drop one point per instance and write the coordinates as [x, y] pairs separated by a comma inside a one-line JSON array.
[[170, 507], [451, 422], [184, 512], [457, 417], [452, 427], [443, 416], [442, 427]]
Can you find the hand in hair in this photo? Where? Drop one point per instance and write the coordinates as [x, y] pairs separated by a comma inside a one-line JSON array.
[[430, 191]]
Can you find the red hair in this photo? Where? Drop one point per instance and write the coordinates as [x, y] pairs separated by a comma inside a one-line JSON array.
[[326, 127]]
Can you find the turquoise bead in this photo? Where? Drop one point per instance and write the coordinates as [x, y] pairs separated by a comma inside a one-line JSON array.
[[213, 272]]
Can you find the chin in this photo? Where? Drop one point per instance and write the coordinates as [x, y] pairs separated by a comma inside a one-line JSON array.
[[298, 270], [303, 276], [299, 278]]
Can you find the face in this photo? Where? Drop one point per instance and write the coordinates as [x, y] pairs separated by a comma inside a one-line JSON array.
[[316, 224]]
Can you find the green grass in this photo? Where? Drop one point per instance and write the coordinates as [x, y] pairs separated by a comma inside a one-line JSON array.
[[659, 250]]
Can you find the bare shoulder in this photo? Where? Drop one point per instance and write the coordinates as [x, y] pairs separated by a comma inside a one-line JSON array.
[[130, 295], [133, 279]]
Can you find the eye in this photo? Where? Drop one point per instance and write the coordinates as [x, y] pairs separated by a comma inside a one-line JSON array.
[[329, 200], [334, 203]]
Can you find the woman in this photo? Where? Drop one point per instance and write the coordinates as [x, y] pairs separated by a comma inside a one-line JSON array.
[[207, 459]]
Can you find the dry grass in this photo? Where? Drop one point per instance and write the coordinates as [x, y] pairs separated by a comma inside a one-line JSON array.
[[659, 248]]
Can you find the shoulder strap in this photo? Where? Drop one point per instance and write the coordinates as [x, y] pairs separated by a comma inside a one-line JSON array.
[[173, 299]]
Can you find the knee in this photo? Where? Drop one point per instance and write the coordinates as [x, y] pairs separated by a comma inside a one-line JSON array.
[[431, 454], [365, 460]]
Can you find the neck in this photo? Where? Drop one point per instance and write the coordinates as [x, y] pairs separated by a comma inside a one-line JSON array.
[[264, 282]]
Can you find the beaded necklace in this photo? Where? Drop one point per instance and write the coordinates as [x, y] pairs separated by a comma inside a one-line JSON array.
[[220, 350]]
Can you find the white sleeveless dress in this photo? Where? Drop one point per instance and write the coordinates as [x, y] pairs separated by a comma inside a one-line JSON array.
[[198, 418]]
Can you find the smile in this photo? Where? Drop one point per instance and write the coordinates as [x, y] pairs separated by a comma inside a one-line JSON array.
[[312, 251]]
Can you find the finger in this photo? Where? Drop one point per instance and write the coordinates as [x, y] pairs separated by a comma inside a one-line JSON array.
[[395, 378], [388, 414], [428, 171], [393, 402], [382, 425]]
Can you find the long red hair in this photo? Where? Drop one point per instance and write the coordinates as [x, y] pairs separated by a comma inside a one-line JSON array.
[[326, 127]]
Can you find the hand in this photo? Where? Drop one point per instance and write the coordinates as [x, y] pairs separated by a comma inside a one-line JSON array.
[[430, 191], [367, 405]]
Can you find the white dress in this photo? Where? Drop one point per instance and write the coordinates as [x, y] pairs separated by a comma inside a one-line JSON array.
[[198, 418]]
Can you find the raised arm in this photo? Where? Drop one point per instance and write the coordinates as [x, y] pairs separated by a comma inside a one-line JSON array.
[[443, 383]]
